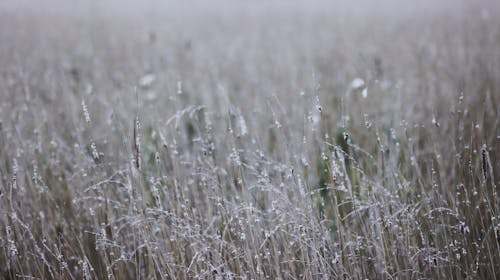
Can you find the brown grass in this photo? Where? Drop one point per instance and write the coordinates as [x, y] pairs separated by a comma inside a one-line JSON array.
[[224, 140]]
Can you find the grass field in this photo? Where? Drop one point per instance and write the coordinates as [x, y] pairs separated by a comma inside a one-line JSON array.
[[250, 140]]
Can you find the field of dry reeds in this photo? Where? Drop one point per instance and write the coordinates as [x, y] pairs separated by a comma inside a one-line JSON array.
[[250, 140]]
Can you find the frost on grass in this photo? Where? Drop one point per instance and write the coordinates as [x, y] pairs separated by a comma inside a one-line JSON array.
[[221, 147], [147, 80], [357, 84]]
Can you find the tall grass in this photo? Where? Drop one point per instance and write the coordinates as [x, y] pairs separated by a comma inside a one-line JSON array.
[[297, 141]]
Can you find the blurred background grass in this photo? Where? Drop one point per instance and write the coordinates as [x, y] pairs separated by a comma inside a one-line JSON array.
[[249, 139]]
